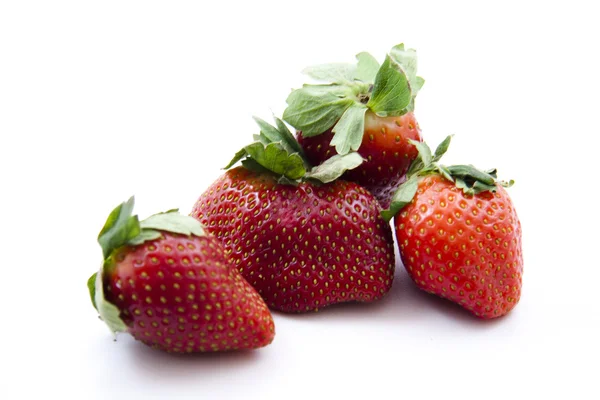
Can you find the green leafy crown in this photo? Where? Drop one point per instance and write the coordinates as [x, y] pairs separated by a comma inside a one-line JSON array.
[[466, 177], [122, 228], [350, 90], [275, 150]]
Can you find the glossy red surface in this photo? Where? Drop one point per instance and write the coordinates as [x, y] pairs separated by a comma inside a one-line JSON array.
[[183, 294], [385, 148], [463, 248], [302, 247]]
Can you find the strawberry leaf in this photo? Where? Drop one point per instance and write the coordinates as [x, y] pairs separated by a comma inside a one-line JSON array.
[[424, 152], [473, 187], [507, 184], [109, 313], [334, 167], [493, 172], [275, 150], [252, 165], [470, 172], [91, 284], [423, 160], [404, 195], [261, 138], [391, 90], [348, 132], [471, 180], [173, 222], [145, 235], [277, 159], [280, 134], [287, 135], [443, 170], [283, 180], [339, 91], [334, 73], [442, 148], [417, 85], [407, 60], [120, 227], [241, 154], [367, 67], [314, 109], [269, 134]]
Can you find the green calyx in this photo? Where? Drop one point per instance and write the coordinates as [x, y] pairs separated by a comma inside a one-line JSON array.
[[122, 228], [350, 90], [466, 177], [276, 151]]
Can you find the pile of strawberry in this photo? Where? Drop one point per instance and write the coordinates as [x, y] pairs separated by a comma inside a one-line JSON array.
[[304, 222]]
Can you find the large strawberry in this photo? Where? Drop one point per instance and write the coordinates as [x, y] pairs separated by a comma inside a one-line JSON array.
[[301, 237], [366, 108], [459, 234], [171, 286]]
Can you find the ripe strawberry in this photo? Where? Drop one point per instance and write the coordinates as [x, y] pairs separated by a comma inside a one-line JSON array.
[[366, 108], [302, 245], [385, 147], [172, 287], [459, 236]]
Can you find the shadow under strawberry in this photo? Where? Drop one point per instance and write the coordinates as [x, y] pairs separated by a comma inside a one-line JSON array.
[[404, 305], [172, 370]]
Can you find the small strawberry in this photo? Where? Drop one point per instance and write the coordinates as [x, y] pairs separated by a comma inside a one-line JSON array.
[[172, 287], [459, 234], [366, 108], [302, 238]]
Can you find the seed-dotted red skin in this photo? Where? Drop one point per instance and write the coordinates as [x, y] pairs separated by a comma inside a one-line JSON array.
[[464, 248], [182, 294], [302, 247], [385, 148]]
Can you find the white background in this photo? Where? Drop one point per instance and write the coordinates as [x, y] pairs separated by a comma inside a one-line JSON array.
[[100, 100]]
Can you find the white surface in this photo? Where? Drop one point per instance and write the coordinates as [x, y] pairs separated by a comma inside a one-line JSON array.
[[101, 100]]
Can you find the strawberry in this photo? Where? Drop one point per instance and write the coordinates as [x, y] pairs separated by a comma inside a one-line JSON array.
[[302, 238], [386, 147], [366, 108], [172, 287], [459, 234]]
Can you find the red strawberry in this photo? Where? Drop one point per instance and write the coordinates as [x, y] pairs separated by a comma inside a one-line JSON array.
[[385, 147], [172, 287], [459, 236], [366, 108], [302, 245]]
